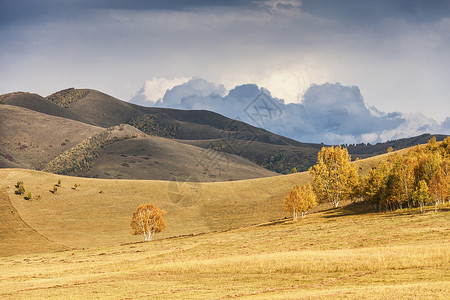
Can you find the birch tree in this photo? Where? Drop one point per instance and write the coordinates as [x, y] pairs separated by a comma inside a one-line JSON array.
[[376, 183], [300, 200], [439, 188], [403, 179], [334, 176], [421, 194], [148, 219]]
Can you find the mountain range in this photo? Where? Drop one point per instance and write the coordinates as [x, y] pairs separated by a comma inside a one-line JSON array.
[[87, 133]]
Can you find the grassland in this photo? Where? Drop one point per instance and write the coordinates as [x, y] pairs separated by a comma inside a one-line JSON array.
[[332, 254], [76, 243], [98, 212]]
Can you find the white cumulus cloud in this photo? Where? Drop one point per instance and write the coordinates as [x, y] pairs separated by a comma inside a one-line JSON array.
[[329, 113]]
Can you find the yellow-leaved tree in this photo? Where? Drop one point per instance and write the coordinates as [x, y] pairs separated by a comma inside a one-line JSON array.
[[334, 176], [300, 199], [440, 188], [421, 194], [148, 219], [376, 184]]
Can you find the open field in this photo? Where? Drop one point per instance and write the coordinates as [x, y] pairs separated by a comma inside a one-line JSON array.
[[99, 211], [76, 243], [331, 254]]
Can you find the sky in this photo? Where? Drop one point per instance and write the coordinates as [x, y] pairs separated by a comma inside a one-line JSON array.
[[394, 55]]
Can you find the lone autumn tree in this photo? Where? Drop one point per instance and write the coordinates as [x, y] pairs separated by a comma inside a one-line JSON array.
[[148, 219], [334, 176], [300, 199]]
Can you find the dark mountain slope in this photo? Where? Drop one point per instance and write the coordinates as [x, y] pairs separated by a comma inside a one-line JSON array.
[[367, 150], [102, 110], [201, 128], [40, 104], [29, 139]]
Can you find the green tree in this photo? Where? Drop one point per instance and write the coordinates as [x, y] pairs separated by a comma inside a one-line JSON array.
[[294, 170], [334, 176], [300, 200]]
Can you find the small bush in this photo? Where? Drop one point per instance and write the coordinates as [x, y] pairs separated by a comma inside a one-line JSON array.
[[29, 196], [20, 188]]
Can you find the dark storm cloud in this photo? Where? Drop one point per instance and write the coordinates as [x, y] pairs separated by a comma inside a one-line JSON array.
[[29, 11], [357, 12], [165, 4], [395, 51], [350, 11]]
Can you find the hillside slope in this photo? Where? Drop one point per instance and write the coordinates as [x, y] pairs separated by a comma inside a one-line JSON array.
[[336, 254], [16, 237], [30, 139], [98, 211], [157, 158], [201, 128], [40, 104]]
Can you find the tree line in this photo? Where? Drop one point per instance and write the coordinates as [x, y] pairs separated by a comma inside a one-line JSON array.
[[415, 179]]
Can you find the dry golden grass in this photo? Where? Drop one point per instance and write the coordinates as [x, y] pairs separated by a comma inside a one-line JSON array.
[[331, 254], [100, 210]]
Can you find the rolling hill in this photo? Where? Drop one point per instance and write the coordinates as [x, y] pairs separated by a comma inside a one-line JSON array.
[[227, 239], [204, 129], [97, 212], [334, 253], [30, 139], [224, 239], [34, 140]]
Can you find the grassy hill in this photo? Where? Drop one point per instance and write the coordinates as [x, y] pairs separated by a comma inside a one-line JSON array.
[[40, 104], [349, 252], [30, 139], [36, 141], [333, 253], [157, 158], [16, 236], [205, 129], [98, 211]]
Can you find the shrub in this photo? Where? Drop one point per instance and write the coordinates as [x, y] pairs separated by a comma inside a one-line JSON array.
[[20, 188], [29, 196]]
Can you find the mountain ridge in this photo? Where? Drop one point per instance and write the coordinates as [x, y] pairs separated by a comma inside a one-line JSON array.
[[205, 129]]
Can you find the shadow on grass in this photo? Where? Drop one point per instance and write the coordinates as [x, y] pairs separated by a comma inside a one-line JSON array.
[[355, 208], [360, 208]]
